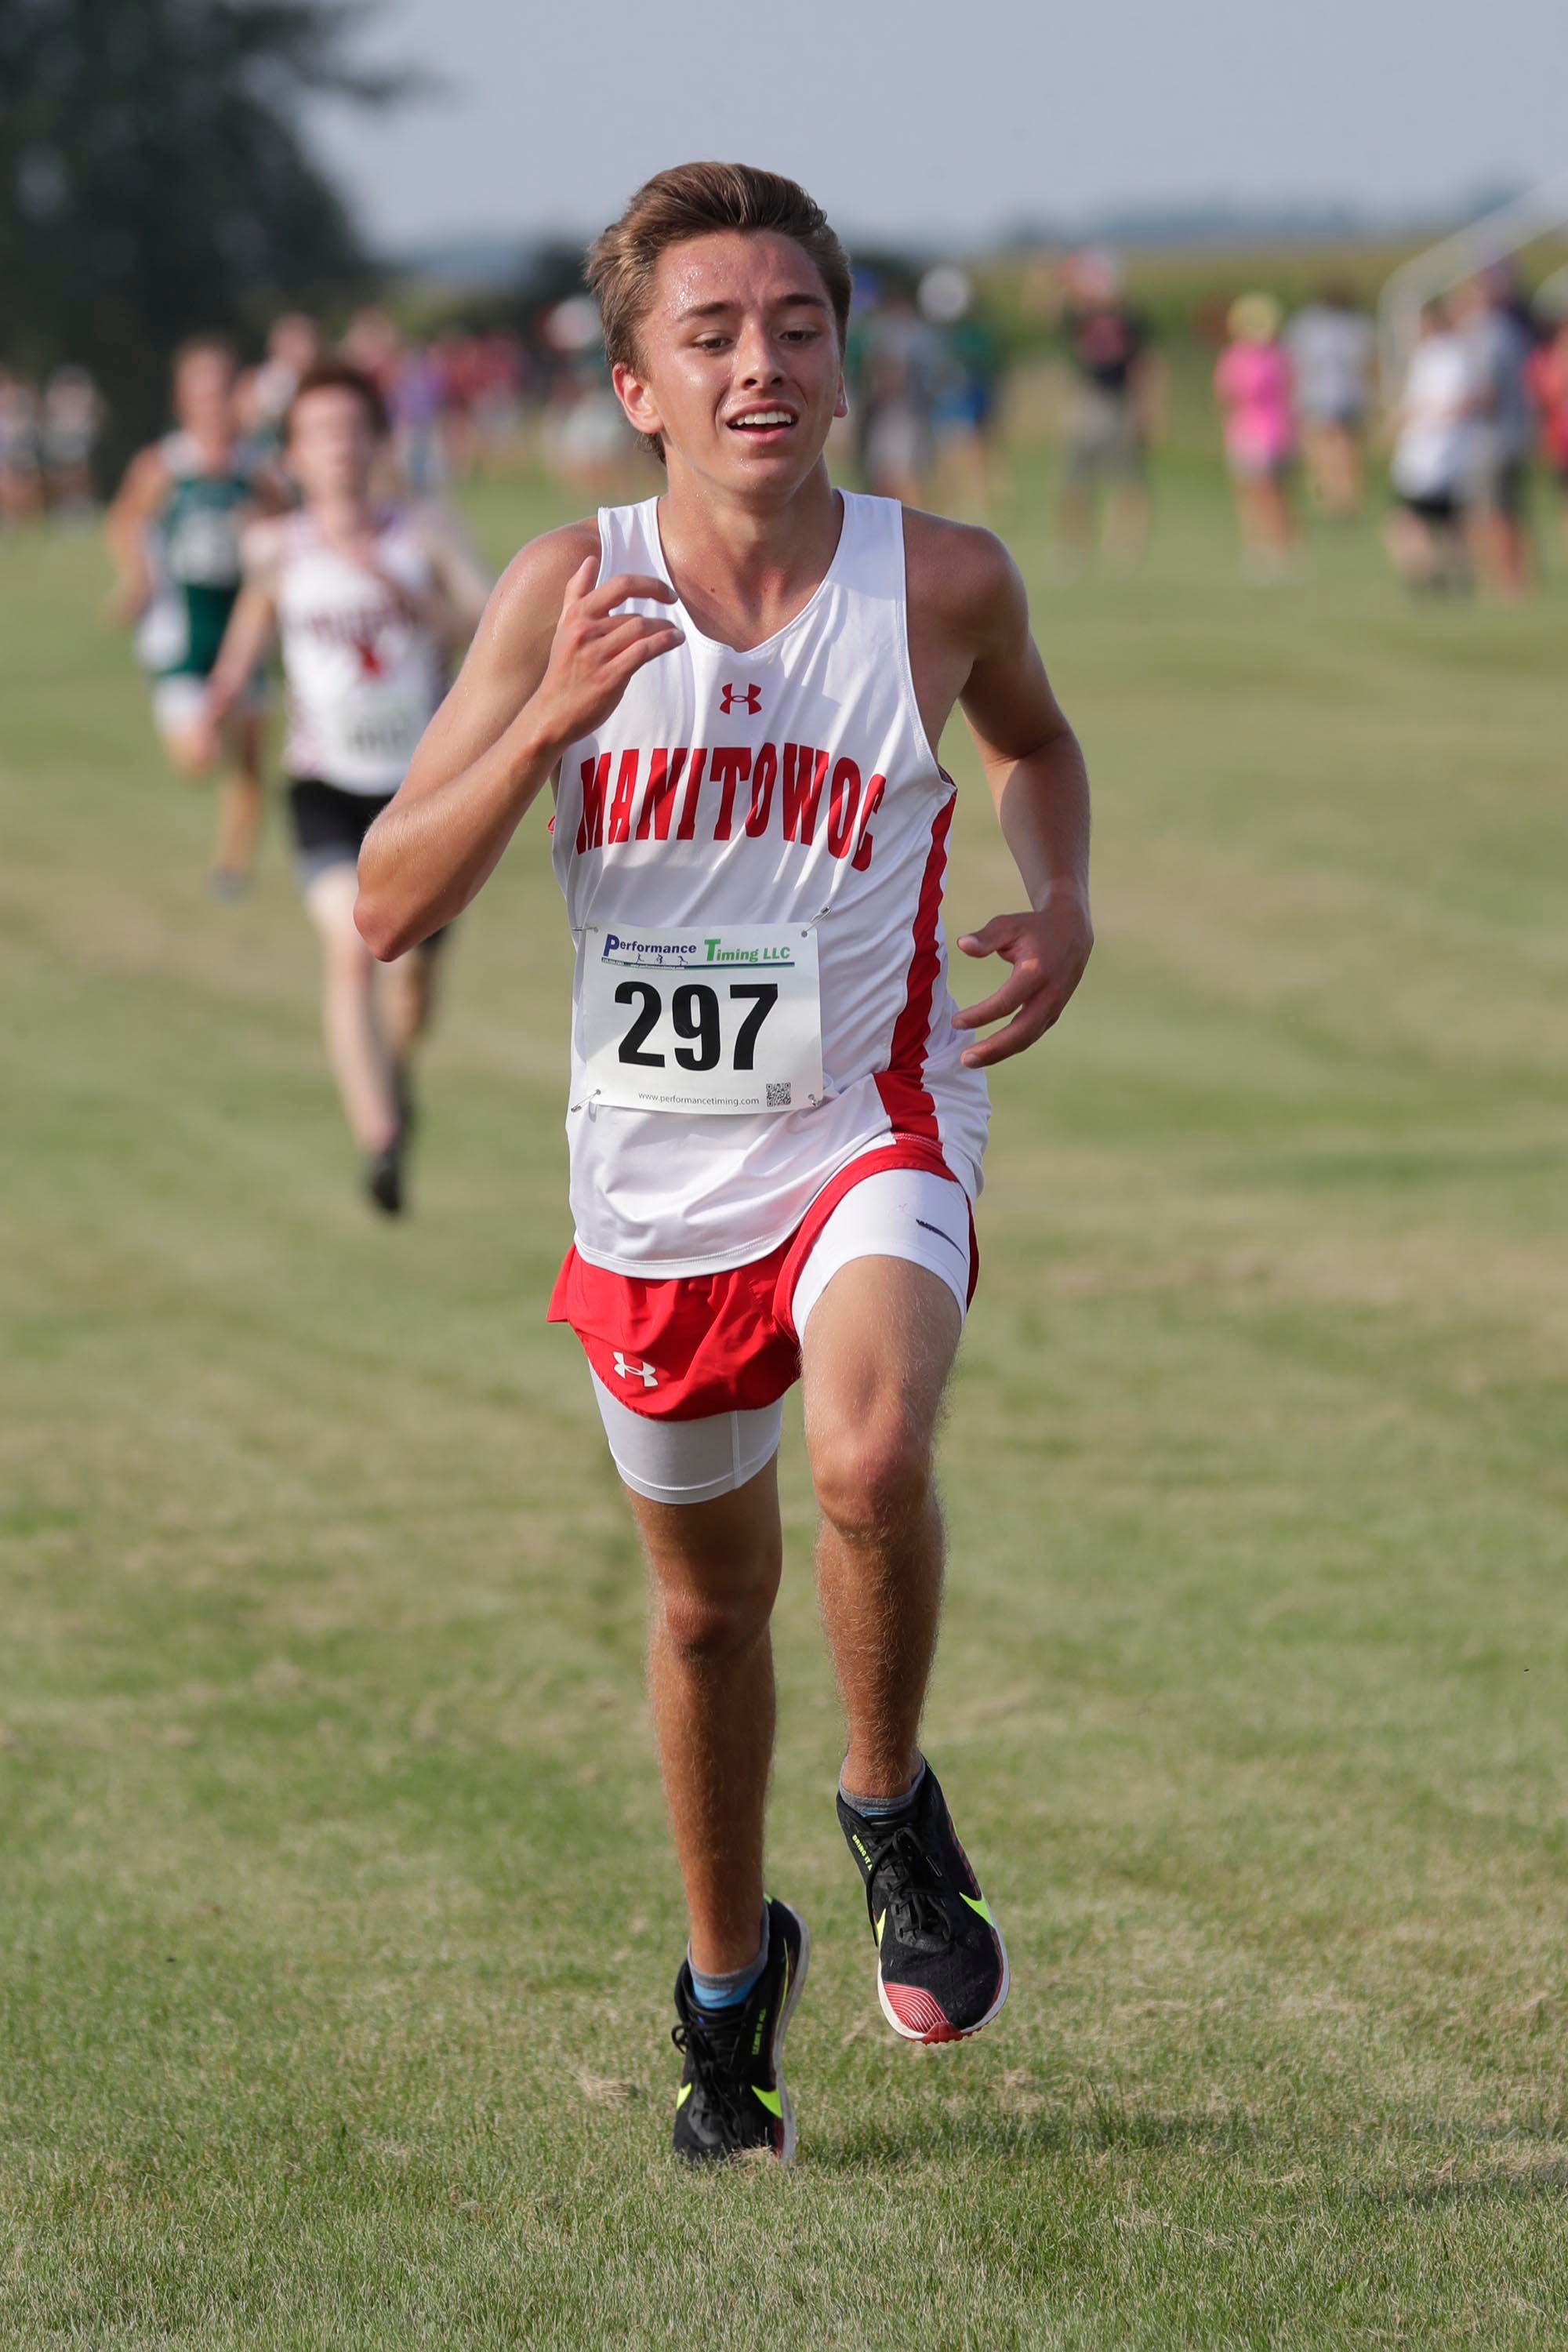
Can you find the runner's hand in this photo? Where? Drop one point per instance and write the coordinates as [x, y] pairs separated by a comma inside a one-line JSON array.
[[596, 650], [1047, 952], [204, 738], [125, 605]]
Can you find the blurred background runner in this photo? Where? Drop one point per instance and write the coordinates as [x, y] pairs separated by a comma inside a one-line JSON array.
[[173, 534]]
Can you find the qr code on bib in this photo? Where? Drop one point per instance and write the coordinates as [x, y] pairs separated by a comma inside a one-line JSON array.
[[780, 1095]]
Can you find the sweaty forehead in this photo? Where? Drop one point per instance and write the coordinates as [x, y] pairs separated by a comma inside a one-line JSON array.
[[742, 267]]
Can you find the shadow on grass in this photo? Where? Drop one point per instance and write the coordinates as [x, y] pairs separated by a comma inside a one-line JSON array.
[[1498, 2184]]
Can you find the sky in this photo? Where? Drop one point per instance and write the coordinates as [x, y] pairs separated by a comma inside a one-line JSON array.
[[944, 119]]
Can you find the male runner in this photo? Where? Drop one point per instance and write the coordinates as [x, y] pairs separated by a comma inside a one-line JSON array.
[[368, 602], [174, 534], [776, 1117]]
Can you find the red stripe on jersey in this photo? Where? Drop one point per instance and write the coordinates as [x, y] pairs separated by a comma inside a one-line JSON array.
[[901, 1085]]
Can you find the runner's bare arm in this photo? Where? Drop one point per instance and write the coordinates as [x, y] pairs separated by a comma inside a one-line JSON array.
[[549, 661], [245, 644], [1035, 771], [464, 584], [453, 606], [135, 503], [248, 637]]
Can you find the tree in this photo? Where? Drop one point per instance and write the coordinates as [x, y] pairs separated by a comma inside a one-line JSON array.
[[155, 180]]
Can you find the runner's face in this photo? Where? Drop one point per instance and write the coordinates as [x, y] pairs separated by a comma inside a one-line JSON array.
[[332, 444], [740, 330], [204, 396]]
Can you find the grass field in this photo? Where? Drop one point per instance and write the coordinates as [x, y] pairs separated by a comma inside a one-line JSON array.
[[339, 1918]]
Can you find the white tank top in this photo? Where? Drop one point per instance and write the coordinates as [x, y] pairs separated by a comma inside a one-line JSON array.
[[793, 784], [364, 678]]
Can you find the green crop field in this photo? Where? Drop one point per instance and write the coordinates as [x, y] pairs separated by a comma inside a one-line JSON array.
[[337, 1918]]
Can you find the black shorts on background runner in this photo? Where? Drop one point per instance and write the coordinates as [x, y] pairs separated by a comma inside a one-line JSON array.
[[1432, 506], [329, 826]]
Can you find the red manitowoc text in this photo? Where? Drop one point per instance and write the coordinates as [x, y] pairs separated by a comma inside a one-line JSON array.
[[788, 790]]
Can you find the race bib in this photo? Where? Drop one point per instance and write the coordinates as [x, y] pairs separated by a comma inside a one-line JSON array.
[[371, 728], [710, 1020], [203, 549]]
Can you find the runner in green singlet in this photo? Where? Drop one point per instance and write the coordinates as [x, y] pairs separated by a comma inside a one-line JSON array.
[[173, 534]]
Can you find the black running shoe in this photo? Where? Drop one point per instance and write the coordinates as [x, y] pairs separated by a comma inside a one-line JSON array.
[[732, 2100], [384, 1177], [941, 1966]]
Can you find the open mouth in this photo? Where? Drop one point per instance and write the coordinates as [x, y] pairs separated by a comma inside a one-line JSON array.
[[760, 423]]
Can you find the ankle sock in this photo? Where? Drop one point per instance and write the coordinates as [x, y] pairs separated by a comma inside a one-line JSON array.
[[729, 1991], [885, 1808]]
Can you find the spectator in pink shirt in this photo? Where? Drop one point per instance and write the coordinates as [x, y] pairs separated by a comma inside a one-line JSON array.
[[1253, 385]]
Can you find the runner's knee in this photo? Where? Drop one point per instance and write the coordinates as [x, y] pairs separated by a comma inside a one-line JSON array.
[[871, 1477], [330, 901], [349, 962], [188, 756], [707, 1628]]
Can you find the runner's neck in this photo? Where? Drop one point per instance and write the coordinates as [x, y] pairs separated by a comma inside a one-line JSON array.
[[216, 453], [344, 521], [743, 573]]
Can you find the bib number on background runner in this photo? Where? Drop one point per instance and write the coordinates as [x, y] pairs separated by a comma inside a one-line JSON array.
[[710, 1020], [379, 728]]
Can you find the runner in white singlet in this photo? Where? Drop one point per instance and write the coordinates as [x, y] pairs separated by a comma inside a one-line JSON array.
[[367, 604], [792, 785], [776, 1116]]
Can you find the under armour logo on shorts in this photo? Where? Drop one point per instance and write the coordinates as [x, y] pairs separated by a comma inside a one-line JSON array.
[[644, 1372], [752, 696]]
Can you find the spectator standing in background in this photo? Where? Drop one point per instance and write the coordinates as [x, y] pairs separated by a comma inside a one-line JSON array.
[[1548, 390], [293, 348], [903, 360], [73, 419], [1433, 431], [1498, 346], [1253, 385], [966, 413], [421, 410], [1331, 345], [21, 468], [1117, 383]]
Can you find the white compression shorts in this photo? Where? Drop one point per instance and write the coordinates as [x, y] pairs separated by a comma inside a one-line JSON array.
[[903, 1212], [178, 702]]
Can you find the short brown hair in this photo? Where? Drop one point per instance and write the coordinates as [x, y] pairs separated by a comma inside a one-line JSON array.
[[702, 200], [341, 375]]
